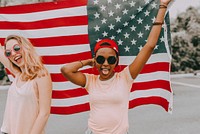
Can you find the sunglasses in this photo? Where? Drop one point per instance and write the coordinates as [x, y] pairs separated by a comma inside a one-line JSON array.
[[16, 48], [111, 59]]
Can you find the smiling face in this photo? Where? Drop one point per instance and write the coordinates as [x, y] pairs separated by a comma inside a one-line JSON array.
[[16, 53], [106, 68]]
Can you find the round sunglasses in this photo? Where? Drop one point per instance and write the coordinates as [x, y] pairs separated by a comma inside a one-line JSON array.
[[15, 48], [111, 59]]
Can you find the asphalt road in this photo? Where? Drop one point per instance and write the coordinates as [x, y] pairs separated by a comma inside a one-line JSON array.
[[150, 119]]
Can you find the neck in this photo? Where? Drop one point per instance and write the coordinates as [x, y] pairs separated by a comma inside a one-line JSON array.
[[102, 78]]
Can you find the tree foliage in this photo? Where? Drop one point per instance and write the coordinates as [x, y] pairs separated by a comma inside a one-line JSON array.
[[185, 31]]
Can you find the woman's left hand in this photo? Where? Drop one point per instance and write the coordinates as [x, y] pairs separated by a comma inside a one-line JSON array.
[[165, 2]]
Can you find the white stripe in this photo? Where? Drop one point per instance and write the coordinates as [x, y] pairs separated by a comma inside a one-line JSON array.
[[152, 92], [160, 75], [153, 59], [70, 101], [48, 32], [43, 15], [55, 69], [134, 95], [141, 78], [62, 50], [159, 57]]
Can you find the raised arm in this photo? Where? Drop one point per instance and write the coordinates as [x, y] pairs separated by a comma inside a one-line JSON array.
[[136, 66], [44, 86], [70, 71], [6, 62]]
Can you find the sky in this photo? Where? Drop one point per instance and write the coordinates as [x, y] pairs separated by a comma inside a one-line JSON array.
[[179, 6]]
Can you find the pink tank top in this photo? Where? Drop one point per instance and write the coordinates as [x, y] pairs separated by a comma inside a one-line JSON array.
[[22, 109]]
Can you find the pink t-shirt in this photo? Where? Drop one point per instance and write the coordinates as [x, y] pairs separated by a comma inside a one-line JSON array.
[[109, 102]]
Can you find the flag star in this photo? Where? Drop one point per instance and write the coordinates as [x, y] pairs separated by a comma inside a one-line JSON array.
[[119, 31], [119, 42], [139, 9], [105, 34], [140, 34], [103, 8], [103, 21], [109, 1], [112, 37], [147, 1], [111, 26], [153, 5], [127, 48], [96, 28], [126, 35], [111, 13], [132, 4], [146, 40], [96, 2], [146, 13], [133, 28], [140, 48], [132, 16], [140, 21], [98, 40], [162, 39], [117, 6], [96, 15], [125, 11], [153, 19], [118, 19], [147, 27], [156, 47], [125, 24], [133, 42]]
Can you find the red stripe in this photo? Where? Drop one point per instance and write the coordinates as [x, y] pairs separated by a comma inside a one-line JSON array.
[[153, 67], [70, 110], [60, 41], [151, 84], [133, 103], [62, 59], [68, 93], [58, 94], [45, 6], [42, 24], [57, 41], [148, 68], [149, 100]]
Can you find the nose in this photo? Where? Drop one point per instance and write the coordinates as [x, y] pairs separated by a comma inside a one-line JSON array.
[[105, 62]]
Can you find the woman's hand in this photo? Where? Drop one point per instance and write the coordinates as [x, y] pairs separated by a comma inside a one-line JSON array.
[[165, 2]]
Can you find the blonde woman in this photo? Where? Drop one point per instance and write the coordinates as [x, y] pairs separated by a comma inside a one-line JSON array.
[[29, 96]]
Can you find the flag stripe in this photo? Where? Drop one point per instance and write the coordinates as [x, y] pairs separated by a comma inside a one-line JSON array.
[[148, 68], [58, 41], [61, 94], [49, 32], [48, 23], [29, 8], [133, 95]]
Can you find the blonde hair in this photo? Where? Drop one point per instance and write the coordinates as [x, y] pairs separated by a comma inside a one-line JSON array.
[[33, 64]]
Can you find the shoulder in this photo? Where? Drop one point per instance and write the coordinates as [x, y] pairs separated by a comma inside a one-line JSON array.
[[44, 79]]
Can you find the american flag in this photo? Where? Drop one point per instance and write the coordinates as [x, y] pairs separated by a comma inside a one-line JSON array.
[[65, 31]]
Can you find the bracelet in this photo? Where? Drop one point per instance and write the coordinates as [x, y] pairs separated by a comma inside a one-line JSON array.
[[162, 6], [81, 63], [158, 23]]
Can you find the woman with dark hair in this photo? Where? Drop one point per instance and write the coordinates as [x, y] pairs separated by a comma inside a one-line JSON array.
[[109, 91]]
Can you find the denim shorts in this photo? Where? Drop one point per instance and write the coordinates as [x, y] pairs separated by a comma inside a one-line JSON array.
[[89, 131]]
